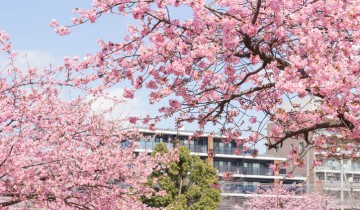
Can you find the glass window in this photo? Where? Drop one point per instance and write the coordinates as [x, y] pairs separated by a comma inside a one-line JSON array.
[[321, 177], [158, 139], [301, 145]]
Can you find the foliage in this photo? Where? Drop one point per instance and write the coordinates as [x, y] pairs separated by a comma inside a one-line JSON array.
[[286, 198], [235, 64], [238, 64], [58, 153], [184, 184]]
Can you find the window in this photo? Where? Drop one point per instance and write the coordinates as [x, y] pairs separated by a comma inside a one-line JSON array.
[[282, 171], [158, 139], [256, 165], [292, 146], [276, 149], [301, 145]]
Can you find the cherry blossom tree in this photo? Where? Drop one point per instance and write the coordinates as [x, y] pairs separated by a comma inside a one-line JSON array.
[[57, 152], [236, 65], [285, 197]]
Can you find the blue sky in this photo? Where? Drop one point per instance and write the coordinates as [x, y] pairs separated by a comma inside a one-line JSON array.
[[27, 23]]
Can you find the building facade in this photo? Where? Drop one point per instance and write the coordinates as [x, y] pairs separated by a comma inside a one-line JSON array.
[[247, 172], [325, 178]]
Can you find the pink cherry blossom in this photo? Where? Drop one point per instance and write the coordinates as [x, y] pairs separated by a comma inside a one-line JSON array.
[[236, 66], [273, 167], [252, 120], [62, 30], [54, 23], [128, 93], [57, 153], [237, 151], [133, 120], [317, 162], [287, 197]]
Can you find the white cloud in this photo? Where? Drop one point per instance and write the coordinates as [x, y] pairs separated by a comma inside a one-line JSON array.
[[31, 58], [134, 107]]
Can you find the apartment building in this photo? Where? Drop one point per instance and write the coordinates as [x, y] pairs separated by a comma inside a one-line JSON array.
[[247, 172], [326, 178]]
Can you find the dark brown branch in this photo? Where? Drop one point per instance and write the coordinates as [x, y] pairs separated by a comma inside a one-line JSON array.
[[252, 90], [258, 6], [222, 104], [290, 134], [306, 138], [9, 153], [10, 203]]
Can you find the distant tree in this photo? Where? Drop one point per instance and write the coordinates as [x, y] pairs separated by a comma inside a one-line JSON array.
[[286, 198], [185, 184]]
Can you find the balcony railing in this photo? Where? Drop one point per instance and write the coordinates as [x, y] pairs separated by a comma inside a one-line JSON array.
[[196, 148], [348, 167], [249, 189], [151, 145], [240, 189], [245, 170], [224, 150], [193, 147], [337, 185]]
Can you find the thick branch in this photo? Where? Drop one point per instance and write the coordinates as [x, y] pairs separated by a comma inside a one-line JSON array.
[[290, 134], [253, 21], [10, 203]]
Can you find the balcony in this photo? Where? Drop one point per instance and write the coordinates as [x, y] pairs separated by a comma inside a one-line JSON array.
[[224, 150], [245, 170], [193, 147], [230, 151], [250, 189], [239, 189], [328, 168], [196, 148], [336, 185], [151, 145], [347, 168]]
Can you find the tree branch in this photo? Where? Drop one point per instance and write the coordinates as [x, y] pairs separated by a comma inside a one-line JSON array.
[[258, 6], [290, 134]]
